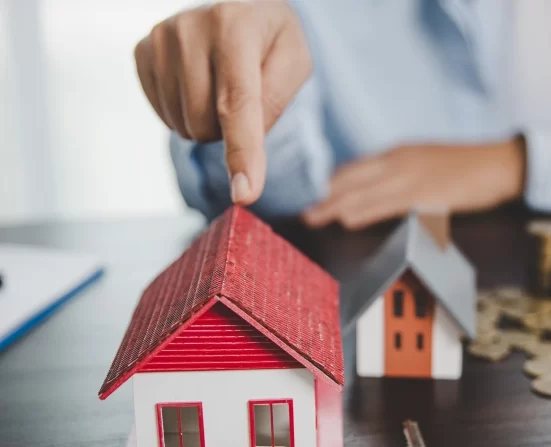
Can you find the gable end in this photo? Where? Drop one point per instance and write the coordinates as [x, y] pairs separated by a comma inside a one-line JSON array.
[[219, 340]]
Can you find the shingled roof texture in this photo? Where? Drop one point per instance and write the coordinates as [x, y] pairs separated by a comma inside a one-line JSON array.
[[240, 258]]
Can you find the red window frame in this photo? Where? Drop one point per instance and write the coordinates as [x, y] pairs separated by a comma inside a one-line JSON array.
[[159, 407], [289, 402]]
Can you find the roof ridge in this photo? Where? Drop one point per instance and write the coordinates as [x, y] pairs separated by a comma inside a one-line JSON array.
[[231, 230], [422, 228], [412, 223]]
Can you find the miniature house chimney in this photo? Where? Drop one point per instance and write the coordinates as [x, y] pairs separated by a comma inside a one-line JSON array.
[[436, 220]]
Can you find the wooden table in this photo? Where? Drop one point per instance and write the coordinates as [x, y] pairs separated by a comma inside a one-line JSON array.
[[49, 380]]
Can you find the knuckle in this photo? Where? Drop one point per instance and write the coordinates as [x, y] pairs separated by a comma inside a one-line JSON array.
[[232, 21], [231, 101], [183, 19], [157, 39], [157, 33], [233, 152], [222, 13], [183, 25], [273, 102]]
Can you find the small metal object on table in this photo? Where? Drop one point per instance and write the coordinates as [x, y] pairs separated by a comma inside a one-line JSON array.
[[413, 435]]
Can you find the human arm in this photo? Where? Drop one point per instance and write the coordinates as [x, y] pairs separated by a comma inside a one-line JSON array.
[[466, 177], [463, 178]]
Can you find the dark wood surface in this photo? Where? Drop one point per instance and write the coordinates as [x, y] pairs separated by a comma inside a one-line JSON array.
[[49, 379]]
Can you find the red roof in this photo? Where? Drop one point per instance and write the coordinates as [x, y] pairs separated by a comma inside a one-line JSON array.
[[239, 262]]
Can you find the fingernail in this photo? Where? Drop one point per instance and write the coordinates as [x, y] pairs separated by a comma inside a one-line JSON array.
[[240, 188]]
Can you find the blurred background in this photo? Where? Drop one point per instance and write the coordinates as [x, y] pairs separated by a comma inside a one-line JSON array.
[[77, 137], [78, 140]]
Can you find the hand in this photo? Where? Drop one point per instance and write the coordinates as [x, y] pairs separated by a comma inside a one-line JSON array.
[[461, 178], [228, 70]]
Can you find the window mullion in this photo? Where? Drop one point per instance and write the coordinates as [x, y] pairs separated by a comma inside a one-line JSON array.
[[180, 431], [272, 423]]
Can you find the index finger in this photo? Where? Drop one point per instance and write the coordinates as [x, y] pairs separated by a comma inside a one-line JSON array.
[[237, 69]]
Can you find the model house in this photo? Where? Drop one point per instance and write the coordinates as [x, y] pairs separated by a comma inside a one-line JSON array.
[[237, 343], [413, 303]]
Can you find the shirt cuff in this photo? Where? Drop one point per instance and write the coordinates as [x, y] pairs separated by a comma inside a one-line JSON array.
[[190, 175], [537, 191]]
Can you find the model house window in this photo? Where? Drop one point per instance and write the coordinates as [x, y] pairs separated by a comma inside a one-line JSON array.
[[180, 425], [272, 423], [398, 296], [421, 304], [420, 342], [398, 340]]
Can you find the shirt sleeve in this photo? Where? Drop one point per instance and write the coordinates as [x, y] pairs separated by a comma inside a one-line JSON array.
[[538, 169], [531, 96], [299, 163]]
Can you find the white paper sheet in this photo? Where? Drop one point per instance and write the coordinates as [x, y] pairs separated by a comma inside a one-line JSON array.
[[37, 281]]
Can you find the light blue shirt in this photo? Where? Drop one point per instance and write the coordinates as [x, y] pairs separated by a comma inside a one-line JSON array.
[[387, 72]]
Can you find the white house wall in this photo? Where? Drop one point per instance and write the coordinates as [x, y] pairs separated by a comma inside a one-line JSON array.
[[225, 396], [370, 346], [447, 351]]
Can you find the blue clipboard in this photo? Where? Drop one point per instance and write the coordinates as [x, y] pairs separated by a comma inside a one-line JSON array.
[[37, 282]]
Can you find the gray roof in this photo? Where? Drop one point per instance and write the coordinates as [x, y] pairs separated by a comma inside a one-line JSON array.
[[446, 273]]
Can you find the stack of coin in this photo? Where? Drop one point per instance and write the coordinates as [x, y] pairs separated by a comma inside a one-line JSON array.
[[533, 318], [540, 265], [542, 386], [539, 368]]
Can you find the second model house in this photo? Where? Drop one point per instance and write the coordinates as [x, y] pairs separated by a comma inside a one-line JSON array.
[[413, 303]]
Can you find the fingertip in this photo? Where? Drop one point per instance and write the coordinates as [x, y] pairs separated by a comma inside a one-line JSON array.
[[247, 172], [241, 192], [313, 219], [308, 222]]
